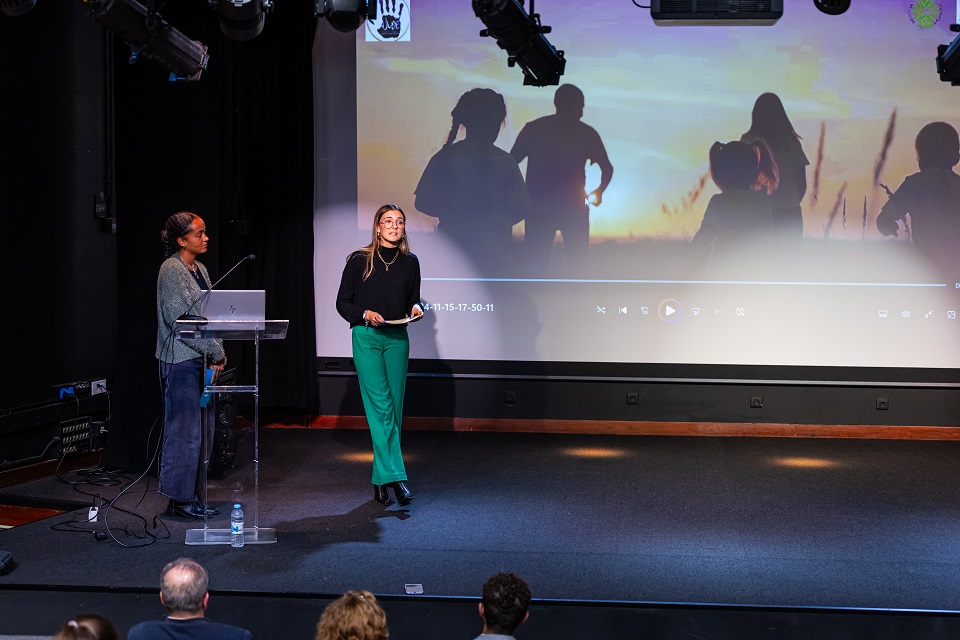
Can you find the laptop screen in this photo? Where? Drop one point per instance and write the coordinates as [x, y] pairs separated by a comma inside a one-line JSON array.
[[234, 304]]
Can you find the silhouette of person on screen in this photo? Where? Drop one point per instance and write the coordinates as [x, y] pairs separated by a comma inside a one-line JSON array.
[[737, 230], [769, 122], [472, 186], [928, 202], [557, 148]]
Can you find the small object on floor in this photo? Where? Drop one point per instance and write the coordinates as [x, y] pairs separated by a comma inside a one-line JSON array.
[[380, 494], [189, 509], [402, 492]]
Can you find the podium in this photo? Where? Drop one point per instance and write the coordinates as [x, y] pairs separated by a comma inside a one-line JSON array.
[[244, 484]]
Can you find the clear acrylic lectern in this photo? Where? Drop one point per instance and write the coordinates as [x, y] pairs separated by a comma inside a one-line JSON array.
[[242, 483]]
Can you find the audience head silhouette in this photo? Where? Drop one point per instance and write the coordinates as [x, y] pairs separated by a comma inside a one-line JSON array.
[[938, 146], [481, 112], [506, 601], [183, 588], [355, 615], [183, 591], [569, 101], [87, 626]]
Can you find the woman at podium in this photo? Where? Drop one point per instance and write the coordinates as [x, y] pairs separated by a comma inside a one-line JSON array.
[[379, 294], [183, 367]]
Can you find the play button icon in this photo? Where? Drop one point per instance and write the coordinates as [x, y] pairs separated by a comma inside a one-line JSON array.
[[670, 310]]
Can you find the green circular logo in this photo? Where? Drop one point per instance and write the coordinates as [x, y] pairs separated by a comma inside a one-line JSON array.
[[926, 13]]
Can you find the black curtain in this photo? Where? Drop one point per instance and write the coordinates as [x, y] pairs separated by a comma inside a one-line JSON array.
[[267, 178], [58, 282], [236, 148]]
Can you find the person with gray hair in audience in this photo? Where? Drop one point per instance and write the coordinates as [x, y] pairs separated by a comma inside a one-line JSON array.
[[183, 591]]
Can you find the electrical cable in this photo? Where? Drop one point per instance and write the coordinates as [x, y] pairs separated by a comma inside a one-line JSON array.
[[137, 526]]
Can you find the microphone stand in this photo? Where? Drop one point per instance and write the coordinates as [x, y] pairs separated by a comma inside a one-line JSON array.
[[198, 319]]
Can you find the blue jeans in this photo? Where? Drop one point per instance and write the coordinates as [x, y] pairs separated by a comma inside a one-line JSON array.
[[183, 470]]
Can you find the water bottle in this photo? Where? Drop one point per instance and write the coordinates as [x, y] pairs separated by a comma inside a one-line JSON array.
[[236, 526]]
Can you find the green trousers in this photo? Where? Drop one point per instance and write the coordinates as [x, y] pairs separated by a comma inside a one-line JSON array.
[[380, 356]]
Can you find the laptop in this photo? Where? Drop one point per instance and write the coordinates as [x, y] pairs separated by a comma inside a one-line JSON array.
[[234, 304]]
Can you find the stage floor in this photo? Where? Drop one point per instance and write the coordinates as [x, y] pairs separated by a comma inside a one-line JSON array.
[[742, 521]]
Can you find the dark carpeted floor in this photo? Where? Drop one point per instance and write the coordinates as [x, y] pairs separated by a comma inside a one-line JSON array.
[[786, 522]]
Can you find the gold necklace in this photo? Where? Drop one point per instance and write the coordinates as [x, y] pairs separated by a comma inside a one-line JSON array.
[[385, 263]]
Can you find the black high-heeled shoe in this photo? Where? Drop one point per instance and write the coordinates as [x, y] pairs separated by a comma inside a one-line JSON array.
[[380, 494], [402, 492]]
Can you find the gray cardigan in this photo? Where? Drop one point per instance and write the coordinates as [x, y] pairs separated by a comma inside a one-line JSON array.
[[177, 290]]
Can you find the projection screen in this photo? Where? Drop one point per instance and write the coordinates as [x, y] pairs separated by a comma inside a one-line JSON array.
[[638, 275]]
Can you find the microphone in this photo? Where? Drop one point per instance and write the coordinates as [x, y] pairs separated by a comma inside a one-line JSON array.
[[195, 318]]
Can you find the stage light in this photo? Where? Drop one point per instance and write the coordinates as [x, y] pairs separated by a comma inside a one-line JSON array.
[[243, 19], [346, 15], [149, 34], [521, 36], [948, 59], [832, 7], [16, 7]]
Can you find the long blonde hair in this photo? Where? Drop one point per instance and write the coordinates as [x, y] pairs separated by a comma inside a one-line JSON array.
[[353, 616], [371, 248]]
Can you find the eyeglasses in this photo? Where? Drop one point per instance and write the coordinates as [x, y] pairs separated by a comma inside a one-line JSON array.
[[390, 224]]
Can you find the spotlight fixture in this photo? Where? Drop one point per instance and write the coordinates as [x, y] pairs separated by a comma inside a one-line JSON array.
[[243, 20], [521, 36], [948, 59], [346, 15], [149, 34], [832, 7], [16, 7]]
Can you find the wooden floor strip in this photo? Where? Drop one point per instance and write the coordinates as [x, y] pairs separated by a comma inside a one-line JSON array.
[[623, 427], [13, 516]]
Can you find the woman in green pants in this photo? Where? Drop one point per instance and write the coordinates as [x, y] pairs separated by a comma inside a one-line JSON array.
[[379, 294]]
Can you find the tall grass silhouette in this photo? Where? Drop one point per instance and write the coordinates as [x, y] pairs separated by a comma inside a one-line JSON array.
[[887, 142], [871, 200], [682, 212], [818, 167], [840, 201]]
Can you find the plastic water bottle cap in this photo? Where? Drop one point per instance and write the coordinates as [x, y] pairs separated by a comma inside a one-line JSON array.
[[236, 506]]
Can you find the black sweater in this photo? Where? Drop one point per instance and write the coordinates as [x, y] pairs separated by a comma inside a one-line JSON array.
[[391, 293]]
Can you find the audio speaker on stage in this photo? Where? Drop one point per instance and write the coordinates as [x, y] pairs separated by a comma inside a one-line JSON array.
[[6, 562]]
